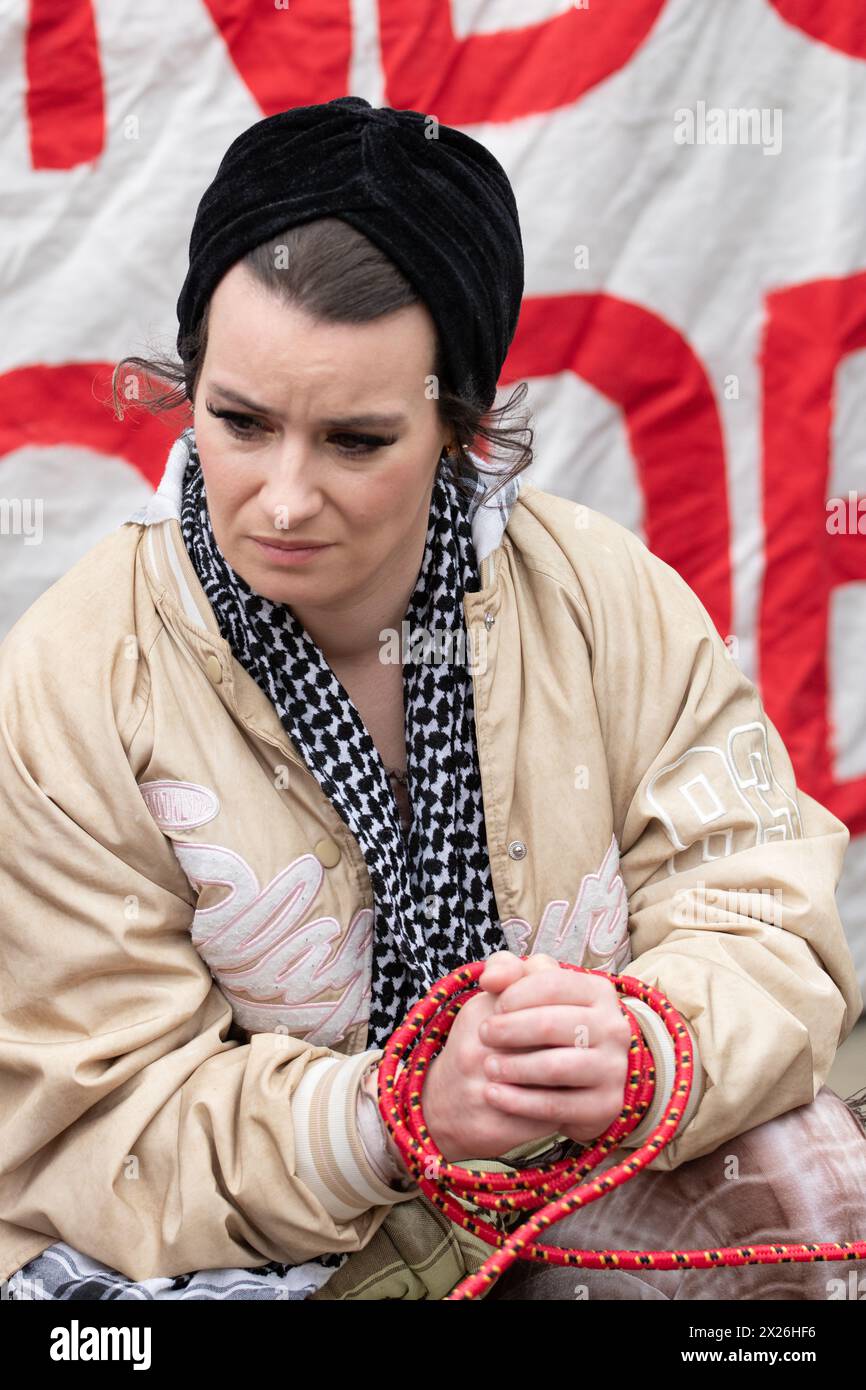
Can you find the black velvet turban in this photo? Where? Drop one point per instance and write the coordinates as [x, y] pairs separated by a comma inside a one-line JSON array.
[[441, 208]]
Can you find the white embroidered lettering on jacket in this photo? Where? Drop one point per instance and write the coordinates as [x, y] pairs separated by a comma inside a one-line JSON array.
[[688, 799], [278, 971], [595, 933]]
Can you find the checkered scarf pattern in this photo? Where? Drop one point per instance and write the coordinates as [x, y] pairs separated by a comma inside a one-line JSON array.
[[434, 907]]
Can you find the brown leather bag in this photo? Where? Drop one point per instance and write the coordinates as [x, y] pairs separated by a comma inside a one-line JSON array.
[[799, 1177]]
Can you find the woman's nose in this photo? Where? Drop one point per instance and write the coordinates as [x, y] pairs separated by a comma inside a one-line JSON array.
[[290, 494]]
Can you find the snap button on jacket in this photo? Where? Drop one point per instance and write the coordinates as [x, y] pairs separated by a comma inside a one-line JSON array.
[[327, 852]]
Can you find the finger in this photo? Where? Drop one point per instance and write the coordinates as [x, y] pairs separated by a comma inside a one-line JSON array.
[[560, 986], [561, 1109], [535, 963], [501, 969], [552, 1066], [554, 1026]]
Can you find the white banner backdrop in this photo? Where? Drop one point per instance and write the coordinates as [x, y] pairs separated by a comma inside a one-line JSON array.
[[691, 177]]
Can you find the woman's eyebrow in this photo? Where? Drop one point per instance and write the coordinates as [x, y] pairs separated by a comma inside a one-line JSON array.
[[341, 421]]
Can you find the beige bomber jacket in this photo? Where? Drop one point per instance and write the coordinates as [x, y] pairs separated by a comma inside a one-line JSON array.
[[185, 921]]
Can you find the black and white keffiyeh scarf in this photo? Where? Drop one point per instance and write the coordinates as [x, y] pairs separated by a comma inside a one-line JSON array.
[[434, 907]]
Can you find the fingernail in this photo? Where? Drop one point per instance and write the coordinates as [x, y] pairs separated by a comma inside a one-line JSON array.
[[493, 1066]]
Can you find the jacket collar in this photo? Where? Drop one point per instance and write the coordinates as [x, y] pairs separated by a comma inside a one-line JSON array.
[[170, 563]]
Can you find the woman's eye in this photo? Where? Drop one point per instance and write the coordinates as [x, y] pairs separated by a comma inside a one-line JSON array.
[[241, 426], [367, 442], [245, 427]]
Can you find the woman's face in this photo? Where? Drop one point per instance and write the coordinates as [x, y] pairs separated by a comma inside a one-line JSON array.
[[286, 456]]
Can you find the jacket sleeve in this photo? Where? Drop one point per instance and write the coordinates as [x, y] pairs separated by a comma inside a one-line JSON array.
[[133, 1126], [729, 868]]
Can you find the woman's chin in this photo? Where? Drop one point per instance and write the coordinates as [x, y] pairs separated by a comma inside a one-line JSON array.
[[278, 581], [280, 589]]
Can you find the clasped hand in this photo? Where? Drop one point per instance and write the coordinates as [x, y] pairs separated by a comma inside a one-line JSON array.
[[538, 1051]]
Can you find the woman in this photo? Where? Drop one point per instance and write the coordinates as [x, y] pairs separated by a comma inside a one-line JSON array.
[[340, 709]]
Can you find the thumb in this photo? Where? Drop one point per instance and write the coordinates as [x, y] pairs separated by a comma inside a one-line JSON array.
[[501, 970]]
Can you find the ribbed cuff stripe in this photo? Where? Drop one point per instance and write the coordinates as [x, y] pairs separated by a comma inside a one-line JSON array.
[[329, 1153]]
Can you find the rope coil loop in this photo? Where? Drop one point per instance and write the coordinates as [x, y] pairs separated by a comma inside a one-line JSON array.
[[552, 1190]]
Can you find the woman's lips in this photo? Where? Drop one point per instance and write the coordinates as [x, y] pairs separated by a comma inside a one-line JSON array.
[[278, 555]]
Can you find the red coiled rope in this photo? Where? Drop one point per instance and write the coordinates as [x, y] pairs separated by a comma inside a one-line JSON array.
[[550, 1189]]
